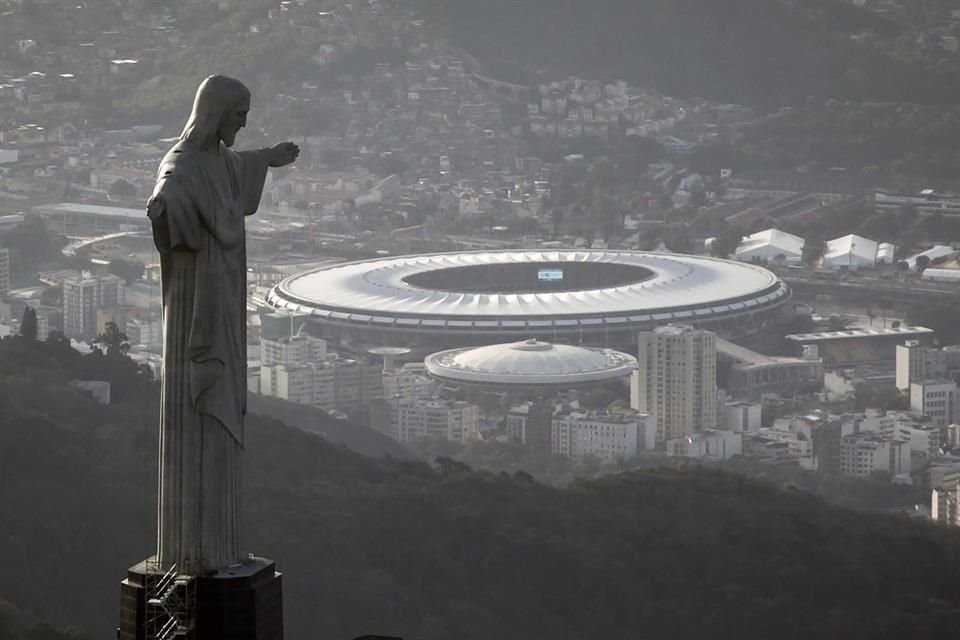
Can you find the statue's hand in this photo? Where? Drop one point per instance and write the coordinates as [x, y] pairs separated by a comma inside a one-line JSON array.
[[283, 154], [154, 206]]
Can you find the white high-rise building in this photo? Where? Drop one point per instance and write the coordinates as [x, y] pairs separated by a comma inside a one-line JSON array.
[[343, 385], [406, 382], [83, 295], [945, 492], [676, 380], [861, 454], [742, 416], [295, 351], [416, 418], [917, 363], [945, 504], [145, 331], [936, 399], [610, 436]]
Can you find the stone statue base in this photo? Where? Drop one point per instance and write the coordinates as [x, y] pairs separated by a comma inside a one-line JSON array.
[[242, 602]]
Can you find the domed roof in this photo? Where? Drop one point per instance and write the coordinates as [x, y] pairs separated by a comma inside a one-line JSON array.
[[529, 362]]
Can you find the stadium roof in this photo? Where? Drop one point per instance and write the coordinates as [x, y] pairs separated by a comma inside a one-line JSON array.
[[530, 362], [678, 287], [93, 209]]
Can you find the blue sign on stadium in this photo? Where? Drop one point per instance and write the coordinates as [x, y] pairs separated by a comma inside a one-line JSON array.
[[550, 275]]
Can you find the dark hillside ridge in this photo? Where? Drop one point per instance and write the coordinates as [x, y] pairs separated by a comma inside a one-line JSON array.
[[355, 437], [771, 53], [394, 546], [19, 625]]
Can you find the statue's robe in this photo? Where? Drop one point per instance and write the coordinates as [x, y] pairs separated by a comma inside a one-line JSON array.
[[201, 240]]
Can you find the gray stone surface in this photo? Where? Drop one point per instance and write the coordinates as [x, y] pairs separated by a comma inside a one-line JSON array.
[[204, 191]]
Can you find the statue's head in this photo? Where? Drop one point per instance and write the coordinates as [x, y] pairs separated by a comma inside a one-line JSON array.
[[219, 111]]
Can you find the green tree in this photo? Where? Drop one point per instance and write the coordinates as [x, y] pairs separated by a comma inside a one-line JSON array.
[[112, 340], [52, 296], [943, 318], [129, 271], [906, 215], [31, 247], [122, 189], [726, 242], [28, 324], [813, 251], [866, 397]]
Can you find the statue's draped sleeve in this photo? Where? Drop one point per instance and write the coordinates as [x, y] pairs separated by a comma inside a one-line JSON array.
[[199, 233]]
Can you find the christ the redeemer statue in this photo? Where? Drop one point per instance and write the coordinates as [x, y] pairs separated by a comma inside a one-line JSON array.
[[204, 190]]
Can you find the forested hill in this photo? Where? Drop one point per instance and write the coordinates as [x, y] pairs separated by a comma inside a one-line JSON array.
[[763, 52], [18, 625], [398, 547]]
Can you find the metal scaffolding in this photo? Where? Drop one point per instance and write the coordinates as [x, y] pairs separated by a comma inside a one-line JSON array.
[[171, 600]]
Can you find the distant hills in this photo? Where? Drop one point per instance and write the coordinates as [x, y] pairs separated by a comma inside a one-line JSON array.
[[767, 53], [18, 625], [394, 546]]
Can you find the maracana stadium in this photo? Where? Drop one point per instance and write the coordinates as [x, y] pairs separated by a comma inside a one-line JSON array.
[[593, 297]]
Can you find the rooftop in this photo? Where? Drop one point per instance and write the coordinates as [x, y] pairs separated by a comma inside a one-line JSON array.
[[866, 332], [530, 362], [92, 209], [785, 242], [670, 288]]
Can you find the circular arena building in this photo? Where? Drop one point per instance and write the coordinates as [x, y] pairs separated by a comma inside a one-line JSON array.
[[590, 297], [530, 363]]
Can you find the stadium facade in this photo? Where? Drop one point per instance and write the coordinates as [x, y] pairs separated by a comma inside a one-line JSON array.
[[596, 298]]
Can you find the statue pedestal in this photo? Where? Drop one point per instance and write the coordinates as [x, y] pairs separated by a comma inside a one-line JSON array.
[[241, 602]]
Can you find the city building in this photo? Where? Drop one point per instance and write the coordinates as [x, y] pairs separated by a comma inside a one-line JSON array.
[[426, 417], [297, 350], [406, 381], [742, 416], [676, 380], [754, 374], [609, 436], [778, 444], [83, 295], [862, 454], [936, 399], [951, 436], [917, 362], [945, 504], [944, 480], [927, 202], [861, 345], [4, 272], [331, 384], [823, 431], [147, 332], [923, 439], [710, 443]]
